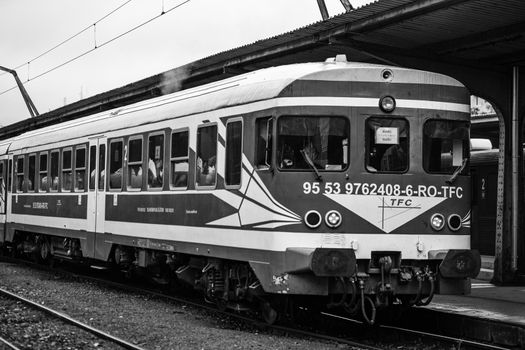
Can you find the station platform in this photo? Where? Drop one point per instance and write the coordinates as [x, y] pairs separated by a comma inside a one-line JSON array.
[[491, 314]]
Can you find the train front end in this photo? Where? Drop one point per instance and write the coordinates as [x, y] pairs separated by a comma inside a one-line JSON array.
[[373, 162]]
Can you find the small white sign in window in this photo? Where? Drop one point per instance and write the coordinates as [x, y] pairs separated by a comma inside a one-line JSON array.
[[387, 136]]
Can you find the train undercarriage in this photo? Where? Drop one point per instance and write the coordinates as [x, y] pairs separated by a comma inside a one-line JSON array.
[[360, 287]]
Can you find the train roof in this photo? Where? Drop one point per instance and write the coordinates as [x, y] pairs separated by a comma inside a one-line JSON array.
[[490, 156], [247, 88]]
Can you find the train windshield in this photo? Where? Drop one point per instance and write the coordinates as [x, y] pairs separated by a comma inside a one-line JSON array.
[[387, 145], [304, 143], [446, 146]]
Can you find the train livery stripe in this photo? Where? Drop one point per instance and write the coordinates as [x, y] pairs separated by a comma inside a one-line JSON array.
[[49, 222], [72, 206], [370, 102], [363, 244], [318, 88], [174, 209]]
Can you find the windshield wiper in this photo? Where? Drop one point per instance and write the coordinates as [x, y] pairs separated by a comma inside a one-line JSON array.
[[311, 164], [458, 171]]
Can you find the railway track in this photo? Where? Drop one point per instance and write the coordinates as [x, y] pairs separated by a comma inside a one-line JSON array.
[[454, 342], [237, 316], [335, 323], [65, 318], [4, 344]]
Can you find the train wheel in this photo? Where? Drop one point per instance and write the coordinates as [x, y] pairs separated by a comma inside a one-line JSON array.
[[408, 300], [221, 304], [117, 254], [43, 251], [269, 314]]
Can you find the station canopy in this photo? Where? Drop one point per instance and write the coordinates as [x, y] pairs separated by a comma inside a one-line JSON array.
[[478, 34]]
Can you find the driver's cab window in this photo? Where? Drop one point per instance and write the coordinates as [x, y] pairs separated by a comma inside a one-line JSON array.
[[313, 143], [446, 146], [387, 145]]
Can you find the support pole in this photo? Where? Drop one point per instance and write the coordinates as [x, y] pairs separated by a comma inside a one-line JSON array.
[[515, 171], [323, 9], [347, 5], [30, 105]]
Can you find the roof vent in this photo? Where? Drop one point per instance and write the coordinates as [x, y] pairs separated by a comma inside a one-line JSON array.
[[341, 58], [337, 58]]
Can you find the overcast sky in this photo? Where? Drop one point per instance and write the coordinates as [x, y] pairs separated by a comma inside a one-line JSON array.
[[196, 29]]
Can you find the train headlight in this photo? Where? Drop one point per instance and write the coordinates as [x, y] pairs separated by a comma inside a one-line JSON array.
[[437, 221], [333, 218], [387, 75], [387, 104], [313, 219], [454, 222]]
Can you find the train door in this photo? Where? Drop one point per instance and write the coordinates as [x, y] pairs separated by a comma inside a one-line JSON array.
[[97, 188], [3, 197], [487, 182]]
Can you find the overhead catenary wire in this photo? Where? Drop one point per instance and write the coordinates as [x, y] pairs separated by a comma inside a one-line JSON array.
[[100, 45], [72, 36]]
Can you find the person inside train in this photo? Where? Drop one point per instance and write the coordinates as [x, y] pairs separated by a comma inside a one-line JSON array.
[[155, 172], [394, 159], [206, 171]]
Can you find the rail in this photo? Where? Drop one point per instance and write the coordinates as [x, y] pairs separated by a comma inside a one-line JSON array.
[[63, 317], [8, 344]]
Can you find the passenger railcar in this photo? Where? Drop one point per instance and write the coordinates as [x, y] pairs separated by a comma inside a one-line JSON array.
[[335, 182], [484, 177]]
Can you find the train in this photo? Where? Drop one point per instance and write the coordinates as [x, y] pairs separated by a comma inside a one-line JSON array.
[[336, 185], [484, 176]]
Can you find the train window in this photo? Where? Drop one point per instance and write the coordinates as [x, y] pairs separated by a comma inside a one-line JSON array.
[[67, 170], [264, 132], [179, 159], [155, 161], [135, 163], [387, 145], [43, 183], [446, 146], [19, 180], [101, 167], [31, 173], [80, 169], [233, 153], [206, 156], [54, 170], [306, 143], [115, 165], [92, 166]]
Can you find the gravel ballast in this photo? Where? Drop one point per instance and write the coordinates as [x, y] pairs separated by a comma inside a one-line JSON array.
[[147, 321]]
